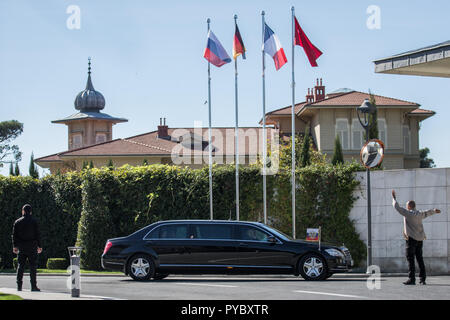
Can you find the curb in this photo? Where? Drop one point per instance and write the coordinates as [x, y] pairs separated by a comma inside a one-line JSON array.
[[66, 274], [46, 295]]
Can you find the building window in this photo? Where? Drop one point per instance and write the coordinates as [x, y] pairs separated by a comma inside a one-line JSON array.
[[382, 129], [100, 137], [77, 141], [342, 132], [406, 140], [357, 135]]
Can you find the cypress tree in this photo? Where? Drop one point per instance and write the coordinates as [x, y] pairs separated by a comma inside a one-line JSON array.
[[305, 157], [145, 162], [110, 164], [17, 170], [33, 172], [91, 164], [373, 120], [11, 169], [338, 156]]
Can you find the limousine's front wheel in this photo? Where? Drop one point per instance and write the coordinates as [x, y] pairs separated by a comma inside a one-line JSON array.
[[141, 267], [313, 267]]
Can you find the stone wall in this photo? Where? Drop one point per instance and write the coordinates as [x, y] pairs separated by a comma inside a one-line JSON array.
[[430, 188]]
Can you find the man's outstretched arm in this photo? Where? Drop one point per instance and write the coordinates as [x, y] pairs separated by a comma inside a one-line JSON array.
[[404, 212], [427, 213]]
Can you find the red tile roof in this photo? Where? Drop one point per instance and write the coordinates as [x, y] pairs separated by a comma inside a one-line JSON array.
[[149, 144], [350, 99], [287, 110], [356, 98], [422, 111]]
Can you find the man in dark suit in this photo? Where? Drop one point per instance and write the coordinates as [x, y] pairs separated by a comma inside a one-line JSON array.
[[27, 244]]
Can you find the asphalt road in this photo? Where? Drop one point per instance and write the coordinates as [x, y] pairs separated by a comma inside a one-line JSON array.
[[207, 287]]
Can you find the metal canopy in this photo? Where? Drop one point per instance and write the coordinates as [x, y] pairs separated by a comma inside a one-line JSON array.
[[432, 61]]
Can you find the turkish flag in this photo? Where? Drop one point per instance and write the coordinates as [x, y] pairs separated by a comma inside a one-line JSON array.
[[302, 40]]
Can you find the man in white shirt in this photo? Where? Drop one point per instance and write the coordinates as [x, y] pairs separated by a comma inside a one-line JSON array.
[[414, 235]]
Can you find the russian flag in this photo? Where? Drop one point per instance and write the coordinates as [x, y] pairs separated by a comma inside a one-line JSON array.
[[214, 51], [272, 47]]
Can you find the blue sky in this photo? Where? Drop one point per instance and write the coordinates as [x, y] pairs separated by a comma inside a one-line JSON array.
[[147, 60]]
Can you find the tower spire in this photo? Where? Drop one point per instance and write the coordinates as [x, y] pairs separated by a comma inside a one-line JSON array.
[[89, 85]]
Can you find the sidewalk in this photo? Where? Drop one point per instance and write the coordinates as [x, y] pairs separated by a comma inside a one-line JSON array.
[[44, 295]]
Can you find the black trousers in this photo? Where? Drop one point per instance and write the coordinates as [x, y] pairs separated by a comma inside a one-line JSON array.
[[414, 250], [25, 254]]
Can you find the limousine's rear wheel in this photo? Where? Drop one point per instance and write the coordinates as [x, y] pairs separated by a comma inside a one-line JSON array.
[[141, 267], [313, 267]]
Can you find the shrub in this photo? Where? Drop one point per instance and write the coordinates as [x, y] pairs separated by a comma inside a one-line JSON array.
[[57, 263]]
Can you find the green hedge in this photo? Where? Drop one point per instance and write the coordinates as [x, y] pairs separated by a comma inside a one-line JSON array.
[[57, 264], [94, 205], [56, 202]]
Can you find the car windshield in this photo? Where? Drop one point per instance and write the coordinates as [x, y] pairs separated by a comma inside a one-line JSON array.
[[278, 233]]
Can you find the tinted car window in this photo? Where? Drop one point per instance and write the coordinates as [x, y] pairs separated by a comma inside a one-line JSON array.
[[170, 231], [251, 233], [213, 231]]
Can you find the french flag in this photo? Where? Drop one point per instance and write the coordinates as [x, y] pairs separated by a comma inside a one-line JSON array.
[[214, 51], [272, 47]]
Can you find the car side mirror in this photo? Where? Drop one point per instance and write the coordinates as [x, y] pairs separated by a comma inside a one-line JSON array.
[[272, 239]]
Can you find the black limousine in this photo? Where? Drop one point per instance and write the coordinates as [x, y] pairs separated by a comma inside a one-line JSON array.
[[220, 247]]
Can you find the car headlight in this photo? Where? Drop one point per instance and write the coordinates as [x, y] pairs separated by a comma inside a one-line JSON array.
[[334, 253]]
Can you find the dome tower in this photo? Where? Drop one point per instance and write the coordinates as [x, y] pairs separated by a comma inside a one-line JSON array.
[[89, 126]]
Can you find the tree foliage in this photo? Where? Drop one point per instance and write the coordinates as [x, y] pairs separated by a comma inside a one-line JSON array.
[[426, 162], [304, 150], [9, 130]]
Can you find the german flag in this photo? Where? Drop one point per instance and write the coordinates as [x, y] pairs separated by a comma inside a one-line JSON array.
[[238, 44]]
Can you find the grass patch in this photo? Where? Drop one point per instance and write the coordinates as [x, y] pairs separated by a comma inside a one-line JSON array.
[[4, 296]]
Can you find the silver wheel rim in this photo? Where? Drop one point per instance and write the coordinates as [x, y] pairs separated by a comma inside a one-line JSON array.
[[140, 267], [313, 267]]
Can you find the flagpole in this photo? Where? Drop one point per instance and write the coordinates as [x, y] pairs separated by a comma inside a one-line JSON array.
[[209, 138], [264, 138], [236, 132], [293, 128]]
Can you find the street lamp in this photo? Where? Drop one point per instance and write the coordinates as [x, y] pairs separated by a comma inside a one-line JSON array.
[[366, 109]]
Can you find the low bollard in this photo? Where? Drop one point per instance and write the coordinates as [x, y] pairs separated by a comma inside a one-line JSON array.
[[74, 254]]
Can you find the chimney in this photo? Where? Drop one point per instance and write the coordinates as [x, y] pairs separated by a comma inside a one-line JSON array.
[[319, 91], [310, 96], [163, 130]]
